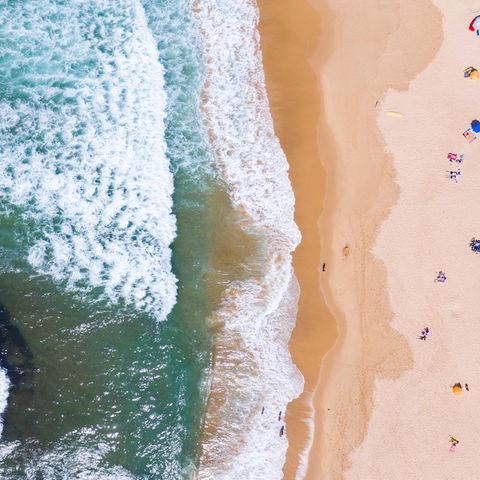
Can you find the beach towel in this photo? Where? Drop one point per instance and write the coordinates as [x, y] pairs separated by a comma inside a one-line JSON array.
[[469, 135]]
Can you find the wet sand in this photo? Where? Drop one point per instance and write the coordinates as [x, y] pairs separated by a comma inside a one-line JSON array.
[[289, 37], [355, 63]]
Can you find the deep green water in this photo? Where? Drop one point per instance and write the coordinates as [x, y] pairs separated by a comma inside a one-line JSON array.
[[113, 389]]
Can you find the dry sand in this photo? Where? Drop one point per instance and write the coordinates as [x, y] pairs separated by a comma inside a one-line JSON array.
[[429, 229]]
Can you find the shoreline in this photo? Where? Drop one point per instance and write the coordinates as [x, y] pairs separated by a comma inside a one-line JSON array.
[[289, 33], [354, 68]]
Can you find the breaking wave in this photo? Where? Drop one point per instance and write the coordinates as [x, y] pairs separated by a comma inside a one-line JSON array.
[[82, 103], [252, 364]]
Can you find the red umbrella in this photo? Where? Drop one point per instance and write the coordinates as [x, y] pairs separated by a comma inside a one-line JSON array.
[[471, 27]]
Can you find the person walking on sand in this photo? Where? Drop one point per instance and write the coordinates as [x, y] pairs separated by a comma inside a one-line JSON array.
[[282, 430], [279, 415]]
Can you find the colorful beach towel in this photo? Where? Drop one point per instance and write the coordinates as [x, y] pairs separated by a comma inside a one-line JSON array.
[[469, 135], [454, 157]]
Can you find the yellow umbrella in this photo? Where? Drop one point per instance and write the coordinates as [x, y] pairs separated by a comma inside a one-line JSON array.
[[457, 389], [474, 75]]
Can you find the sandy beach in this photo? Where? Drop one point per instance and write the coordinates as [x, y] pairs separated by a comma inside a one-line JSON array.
[[362, 190], [429, 230], [356, 63]]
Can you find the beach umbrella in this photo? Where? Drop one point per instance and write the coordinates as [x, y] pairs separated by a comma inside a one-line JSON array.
[[457, 389], [475, 25], [475, 126], [468, 71], [474, 75]]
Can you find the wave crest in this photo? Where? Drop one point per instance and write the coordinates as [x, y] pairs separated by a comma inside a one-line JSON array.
[[252, 366], [83, 150]]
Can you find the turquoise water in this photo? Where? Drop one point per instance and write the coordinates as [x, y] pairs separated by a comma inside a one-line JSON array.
[[99, 103], [147, 294]]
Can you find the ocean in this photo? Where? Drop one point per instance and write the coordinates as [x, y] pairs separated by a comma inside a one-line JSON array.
[[147, 295]]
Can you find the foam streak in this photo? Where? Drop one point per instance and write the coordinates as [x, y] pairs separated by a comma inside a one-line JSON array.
[[83, 150]]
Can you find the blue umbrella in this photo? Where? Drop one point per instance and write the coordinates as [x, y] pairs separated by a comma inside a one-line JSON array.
[[475, 126]]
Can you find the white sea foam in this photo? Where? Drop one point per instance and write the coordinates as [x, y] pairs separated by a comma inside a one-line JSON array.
[[260, 310], [247, 444], [4, 388], [83, 150], [81, 462]]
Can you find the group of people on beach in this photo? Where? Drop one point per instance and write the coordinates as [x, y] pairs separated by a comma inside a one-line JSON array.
[[457, 388], [453, 174], [455, 158], [282, 428]]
